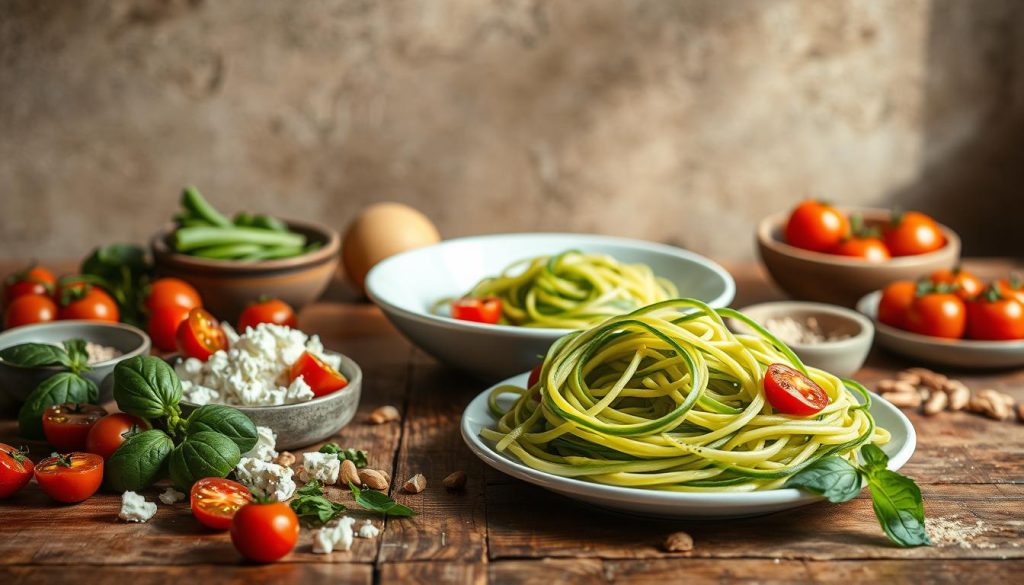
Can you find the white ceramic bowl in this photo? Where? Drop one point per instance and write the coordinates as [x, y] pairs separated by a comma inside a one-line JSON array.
[[406, 286]]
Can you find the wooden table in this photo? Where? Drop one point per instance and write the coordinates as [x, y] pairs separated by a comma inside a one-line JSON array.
[[500, 530]]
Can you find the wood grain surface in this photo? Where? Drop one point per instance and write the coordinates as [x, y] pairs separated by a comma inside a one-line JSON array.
[[500, 530]]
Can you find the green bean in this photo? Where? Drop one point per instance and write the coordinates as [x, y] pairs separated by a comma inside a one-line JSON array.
[[192, 238], [194, 202], [228, 251]]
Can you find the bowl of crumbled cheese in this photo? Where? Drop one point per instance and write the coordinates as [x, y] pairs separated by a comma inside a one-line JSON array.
[[254, 375], [827, 337]]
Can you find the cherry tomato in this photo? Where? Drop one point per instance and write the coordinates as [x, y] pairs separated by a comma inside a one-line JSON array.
[[967, 285], [216, 500], [1012, 287], [895, 303], [85, 301], [23, 288], [15, 470], [265, 532], [993, 316], [34, 280], [816, 226], [938, 314], [273, 311], [67, 425], [29, 309], [70, 478], [200, 336], [534, 375], [111, 431], [172, 292], [163, 326], [869, 249], [485, 310], [321, 377], [791, 392], [913, 233]]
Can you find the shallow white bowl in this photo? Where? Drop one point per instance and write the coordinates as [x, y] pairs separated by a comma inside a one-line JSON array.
[[407, 285], [662, 503], [957, 353]]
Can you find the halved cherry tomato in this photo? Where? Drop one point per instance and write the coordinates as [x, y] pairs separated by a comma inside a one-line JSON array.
[[534, 375], [29, 309], [15, 470], [967, 285], [816, 226], [895, 303], [84, 301], [172, 292], [33, 280], [483, 310], [320, 376], [1012, 287], [70, 478], [938, 313], [215, 501], [993, 316], [791, 392], [869, 249], [163, 326], [111, 431], [200, 335], [265, 532], [273, 311], [67, 425], [912, 233]]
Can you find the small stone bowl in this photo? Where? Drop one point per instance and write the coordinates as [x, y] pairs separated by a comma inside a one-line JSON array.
[[305, 423]]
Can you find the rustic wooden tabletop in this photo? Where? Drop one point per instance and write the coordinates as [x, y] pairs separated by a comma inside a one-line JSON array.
[[500, 530]]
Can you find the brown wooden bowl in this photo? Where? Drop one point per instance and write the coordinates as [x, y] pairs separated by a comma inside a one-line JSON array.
[[828, 278], [227, 286]]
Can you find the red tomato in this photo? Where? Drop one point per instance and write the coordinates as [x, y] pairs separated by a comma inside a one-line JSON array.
[[265, 532], [15, 470], [938, 314], [485, 310], [791, 392], [22, 288], [34, 280], [84, 301], [163, 326], [895, 303], [273, 311], [200, 335], [534, 375], [172, 292], [913, 233], [1012, 287], [869, 249], [321, 377], [111, 431], [994, 317], [70, 478], [29, 309], [967, 285], [816, 226], [67, 425], [216, 500]]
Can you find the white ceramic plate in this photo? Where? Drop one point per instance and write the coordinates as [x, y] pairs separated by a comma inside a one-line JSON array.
[[958, 353], [669, 504], [407, 285]]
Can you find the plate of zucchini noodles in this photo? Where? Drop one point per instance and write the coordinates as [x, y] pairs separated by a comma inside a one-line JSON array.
[[665, 412]]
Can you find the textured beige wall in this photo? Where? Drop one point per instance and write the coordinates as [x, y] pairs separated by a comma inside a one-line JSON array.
[[679, 121]]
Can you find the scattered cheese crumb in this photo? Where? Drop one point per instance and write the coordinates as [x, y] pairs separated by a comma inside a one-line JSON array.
[[265, 479], [266, 442], [336, 535], [320, 466], [171, 496], [135, 508], [368, 530]]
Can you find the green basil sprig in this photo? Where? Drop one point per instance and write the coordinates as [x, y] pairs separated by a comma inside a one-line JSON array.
[[312, 507], [379, 502], [357, 456], [896, 498], [139, 461], [202, 454], [227, 421], [35, 355], [147, 386], [57, 389]]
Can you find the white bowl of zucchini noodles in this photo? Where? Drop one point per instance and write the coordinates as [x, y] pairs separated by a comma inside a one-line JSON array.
[[575, 280]]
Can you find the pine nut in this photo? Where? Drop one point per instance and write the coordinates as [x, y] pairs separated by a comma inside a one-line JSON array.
[[679, 542], [384, 414]]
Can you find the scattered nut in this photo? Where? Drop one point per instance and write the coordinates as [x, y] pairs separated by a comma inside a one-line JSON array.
[[679, 542], [455, 481], [349, 473], [285, 459], [387, 476], [373, 479], [887, 386], [959, 397], [909, 378], [415, 484], [384, 414], [936, 403], [932, 380], [995, 409], [1020, 413], [903, 399]]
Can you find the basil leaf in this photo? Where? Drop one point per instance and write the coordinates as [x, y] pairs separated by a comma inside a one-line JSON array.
[[378, 502], [832, 477], [899, 508], [230, 422], [78, 355], [146, 386], [35, 355], [357, 456], [874, 458], [316, 509], [137, 463], [203, 454], [57, 389], [312, 488]]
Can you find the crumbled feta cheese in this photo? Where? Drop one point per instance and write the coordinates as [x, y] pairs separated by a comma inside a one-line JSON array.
[[171, 496], [320, 466], [135, 508], [335, 535], [266, 479], [368, 530], [266, 440]]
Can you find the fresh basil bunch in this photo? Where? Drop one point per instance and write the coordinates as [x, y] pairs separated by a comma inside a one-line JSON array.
[[208, 443]]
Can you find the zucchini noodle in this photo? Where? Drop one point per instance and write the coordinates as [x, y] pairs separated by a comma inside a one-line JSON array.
[[668, 398], [571, 290]]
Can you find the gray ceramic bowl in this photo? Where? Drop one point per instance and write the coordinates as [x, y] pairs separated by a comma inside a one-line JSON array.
[[19, 382], [306, 423], [841, 357]]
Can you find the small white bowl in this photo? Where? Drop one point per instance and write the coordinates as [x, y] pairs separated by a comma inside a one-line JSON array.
[[407, 285]]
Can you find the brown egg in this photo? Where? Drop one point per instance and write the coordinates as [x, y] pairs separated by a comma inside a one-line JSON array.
[[382, 230]]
